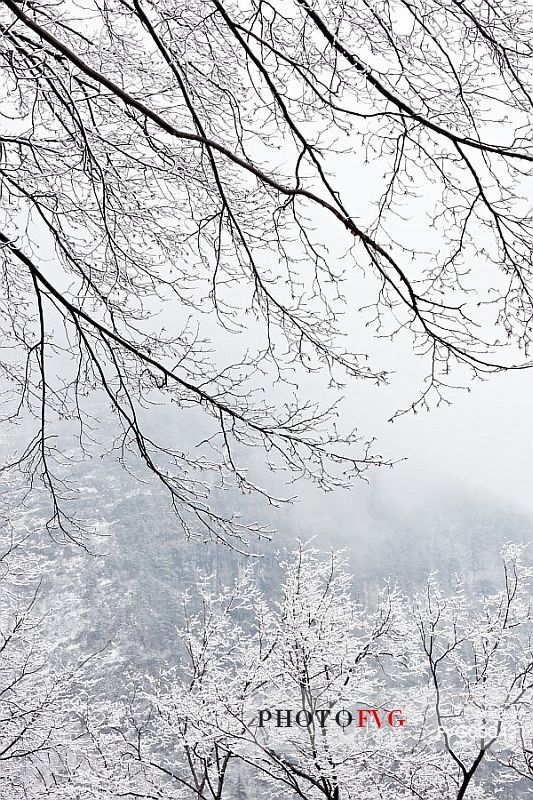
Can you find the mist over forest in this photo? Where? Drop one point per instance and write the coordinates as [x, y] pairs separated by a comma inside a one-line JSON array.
[[402, 523]]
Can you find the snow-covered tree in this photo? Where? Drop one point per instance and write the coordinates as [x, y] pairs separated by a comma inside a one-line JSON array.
[[203, 726], [312, 695], [180, 173], [37, 723], [172, 736], [476, 661], [327, 655]]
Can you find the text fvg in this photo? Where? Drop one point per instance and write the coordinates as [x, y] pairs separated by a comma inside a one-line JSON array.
[[360, 718]]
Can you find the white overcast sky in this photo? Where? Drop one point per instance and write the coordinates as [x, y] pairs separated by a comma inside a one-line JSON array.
[[484, 440]]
